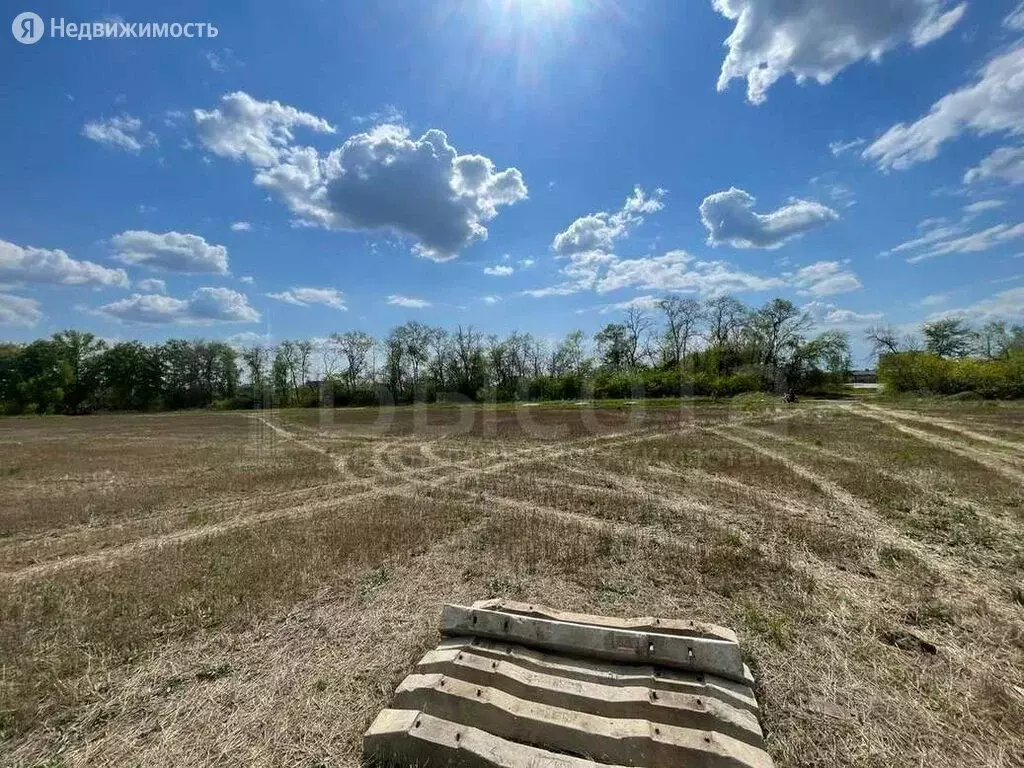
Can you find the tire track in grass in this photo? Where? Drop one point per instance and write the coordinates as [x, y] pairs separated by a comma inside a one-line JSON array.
[[952, 426], [294, 499], [866, 523], [836, 492], [385, 486], [1004, 524], [362, 489], [868, 519], [993, 462]]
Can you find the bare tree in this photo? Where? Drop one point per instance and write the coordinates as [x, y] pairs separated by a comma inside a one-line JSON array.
[[535, 352], [469, 366], [256, 358], [329, 354], [777, 330], [440, 357], [353, 346], [637, 323], [725, 317], [568, 357], [303, 359], [417, 338], [682, 317], [992, 340], [883, 339]]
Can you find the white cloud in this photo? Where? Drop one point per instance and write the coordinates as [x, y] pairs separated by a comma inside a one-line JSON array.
[[824, 278], [817, 39], [839, 192], [993, 104], [599, 231], [637, 302], [1015, 19], [490, 299], [407, 301], [974, 242], [53, 267], [838, 148], [241, 226], [390, 114], [379, 180], [303, 297], [981, 206], [730, 219], [678, 271], [151, 285], [830, 314], [675, 270], [215, 62], [124, 132], [247, 279], [173, 118], [934, 300], [248, 339], [258, 131], [170, 251], [938, 26], [935, 231], [849, 317], [204, 307], [526, 263], [19, 310], [383, 180], [500, 270], [1005, 163], [562, 289], [1007, 305]]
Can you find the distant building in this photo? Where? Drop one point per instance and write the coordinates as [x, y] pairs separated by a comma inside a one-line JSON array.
[[864, 376]]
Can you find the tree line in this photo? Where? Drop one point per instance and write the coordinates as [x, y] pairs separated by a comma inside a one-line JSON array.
[[950, 357], [679, 346]]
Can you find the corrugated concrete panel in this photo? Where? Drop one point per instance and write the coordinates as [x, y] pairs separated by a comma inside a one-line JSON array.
[[719, 657], [518, 685], [651, 704], [629, 741], [639, 624], [415, 739], [729, 692]]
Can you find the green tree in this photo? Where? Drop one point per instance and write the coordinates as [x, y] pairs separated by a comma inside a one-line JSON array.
[[130, 377], [948, 337], [80, 350], [43, 377], [613, 345], [776, 332]]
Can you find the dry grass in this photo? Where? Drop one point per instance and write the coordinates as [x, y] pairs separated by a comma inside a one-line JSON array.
[[198, 589]]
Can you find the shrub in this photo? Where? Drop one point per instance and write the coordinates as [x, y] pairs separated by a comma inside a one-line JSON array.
[[930, 374]]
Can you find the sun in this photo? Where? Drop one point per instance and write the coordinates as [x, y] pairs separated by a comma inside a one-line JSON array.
[[540, 11]]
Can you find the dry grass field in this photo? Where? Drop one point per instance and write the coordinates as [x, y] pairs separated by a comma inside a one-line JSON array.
[[248, 588]]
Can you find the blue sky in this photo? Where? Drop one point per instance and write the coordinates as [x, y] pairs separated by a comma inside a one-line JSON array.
[[513, 164]]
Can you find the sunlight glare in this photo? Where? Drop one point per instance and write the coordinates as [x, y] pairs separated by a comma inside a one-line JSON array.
[[537, 10]]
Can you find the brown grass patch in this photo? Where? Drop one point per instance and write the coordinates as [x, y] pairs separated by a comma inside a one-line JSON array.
[[874, 578]]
